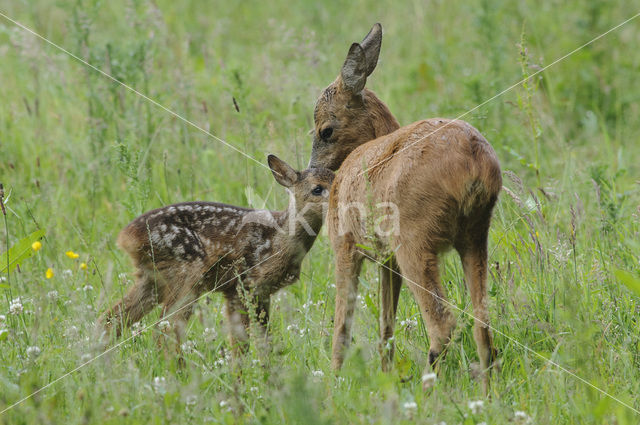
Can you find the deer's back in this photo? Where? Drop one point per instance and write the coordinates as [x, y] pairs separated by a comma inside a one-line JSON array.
[[210, 243], [183, 232], [435, 171]]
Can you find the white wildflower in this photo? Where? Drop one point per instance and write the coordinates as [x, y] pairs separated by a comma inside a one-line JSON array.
[[429, 380], [409, 323], [476, 406], [410, 405], [71, 332], [136, 329], [3, 319], [52, 295], [191, 400], [33, 351], [219, 362], [188, 347], [160, 384], [317, 373], [164, 326], [210, 334], [67, 273], [15, 306], [293, 328], [255, 362], [87, 288], [521, 417], [253, 389]]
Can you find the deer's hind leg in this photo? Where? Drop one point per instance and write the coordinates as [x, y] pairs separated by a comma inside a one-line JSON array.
[[179, 300], [138, 301], [391, 282], [473, 253], [420, 269]]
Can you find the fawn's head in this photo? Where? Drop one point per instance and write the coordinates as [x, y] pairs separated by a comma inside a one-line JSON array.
[[346, 114], [309, 188]]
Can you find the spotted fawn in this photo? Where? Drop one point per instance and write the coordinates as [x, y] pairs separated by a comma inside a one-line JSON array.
[[182, 251]]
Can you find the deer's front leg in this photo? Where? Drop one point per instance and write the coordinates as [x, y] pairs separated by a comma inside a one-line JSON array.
[[347, 264], [262, 304], [391, 283]]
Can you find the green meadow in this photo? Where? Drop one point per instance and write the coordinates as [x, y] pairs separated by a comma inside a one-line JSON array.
[[81, 156]]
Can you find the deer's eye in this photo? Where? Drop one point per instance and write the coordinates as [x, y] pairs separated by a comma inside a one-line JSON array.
[[317, 190], [326, 133]]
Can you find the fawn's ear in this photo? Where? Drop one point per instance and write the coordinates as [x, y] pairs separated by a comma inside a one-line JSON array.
[[354, 69], [371, 46], [282, 172]]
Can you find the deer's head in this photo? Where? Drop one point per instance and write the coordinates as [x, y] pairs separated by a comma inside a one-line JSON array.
[[346, 114], [309, 189]]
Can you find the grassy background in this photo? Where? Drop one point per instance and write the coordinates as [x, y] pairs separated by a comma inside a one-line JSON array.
[[80, 156]]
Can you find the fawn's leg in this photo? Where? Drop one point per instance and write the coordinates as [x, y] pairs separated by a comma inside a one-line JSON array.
[[474, 262], [420, 269], [180, 312], [390, 292], [137, 302], [347, 265], [262, 304], [238, 321]]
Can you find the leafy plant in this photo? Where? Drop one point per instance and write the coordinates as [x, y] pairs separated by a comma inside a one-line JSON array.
[[19, 252]]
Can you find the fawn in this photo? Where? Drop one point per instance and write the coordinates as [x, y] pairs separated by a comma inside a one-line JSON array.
[[443, 178], [182, 251]]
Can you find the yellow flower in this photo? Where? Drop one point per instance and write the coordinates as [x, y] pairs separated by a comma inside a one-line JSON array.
[[49, 273], [72, 254], [36, 245], [83, 266]]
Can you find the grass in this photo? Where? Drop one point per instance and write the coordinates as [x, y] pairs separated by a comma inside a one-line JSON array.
[[81, 156]]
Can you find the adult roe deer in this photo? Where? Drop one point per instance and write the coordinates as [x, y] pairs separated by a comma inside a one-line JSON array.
[[184, 250], [444, 179]]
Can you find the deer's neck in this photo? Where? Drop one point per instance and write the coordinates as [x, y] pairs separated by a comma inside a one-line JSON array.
[[381, 117]]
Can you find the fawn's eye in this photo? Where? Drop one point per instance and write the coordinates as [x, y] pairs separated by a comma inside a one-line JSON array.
[[326, 133], [317, 190]]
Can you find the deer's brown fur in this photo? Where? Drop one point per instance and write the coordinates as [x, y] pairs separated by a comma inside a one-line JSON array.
[[444, 178], [184, 250]]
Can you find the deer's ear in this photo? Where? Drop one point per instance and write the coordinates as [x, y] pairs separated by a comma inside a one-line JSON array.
[[354, 69], [371, 46], [282, 172]]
